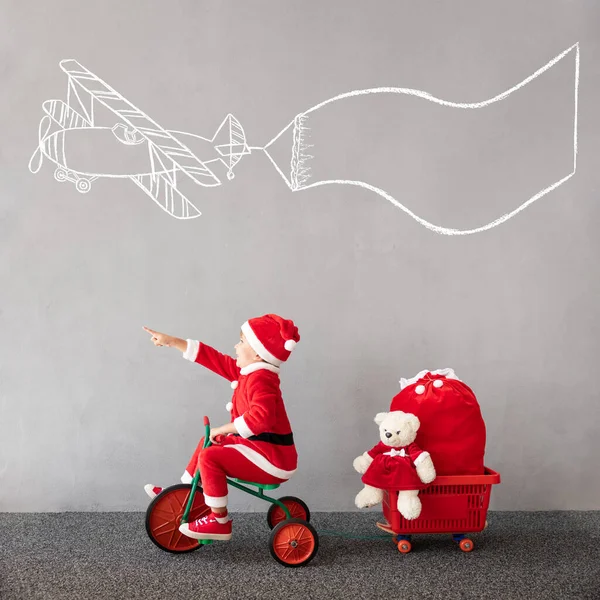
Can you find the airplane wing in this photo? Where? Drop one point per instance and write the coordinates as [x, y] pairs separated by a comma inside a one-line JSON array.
[[164, 147], [63, 115], [166, 195]]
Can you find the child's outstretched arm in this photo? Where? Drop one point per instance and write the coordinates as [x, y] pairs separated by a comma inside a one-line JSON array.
[[195, 351]]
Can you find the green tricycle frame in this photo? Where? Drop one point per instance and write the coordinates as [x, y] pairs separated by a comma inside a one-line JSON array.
[[294, 542]]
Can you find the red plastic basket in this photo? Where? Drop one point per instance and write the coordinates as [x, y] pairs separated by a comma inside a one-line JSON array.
[[452, 504]]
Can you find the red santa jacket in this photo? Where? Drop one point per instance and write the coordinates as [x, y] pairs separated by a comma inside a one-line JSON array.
[[257, 410]]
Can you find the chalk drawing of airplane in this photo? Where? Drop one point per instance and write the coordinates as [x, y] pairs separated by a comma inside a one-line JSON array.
[[74, 136], [164, 156]]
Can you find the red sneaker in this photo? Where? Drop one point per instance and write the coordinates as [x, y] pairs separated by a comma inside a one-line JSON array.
[[152, 490], [207, 528]]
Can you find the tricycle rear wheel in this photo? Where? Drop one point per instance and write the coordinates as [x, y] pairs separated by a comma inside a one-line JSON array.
[[298, 510]]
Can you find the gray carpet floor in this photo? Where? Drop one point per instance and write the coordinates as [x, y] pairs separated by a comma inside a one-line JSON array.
[[78, 556]]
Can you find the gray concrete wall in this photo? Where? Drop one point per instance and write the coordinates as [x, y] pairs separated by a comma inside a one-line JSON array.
[[90, 411]]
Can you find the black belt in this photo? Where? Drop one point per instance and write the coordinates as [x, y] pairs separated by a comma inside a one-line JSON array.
[[280, 439]]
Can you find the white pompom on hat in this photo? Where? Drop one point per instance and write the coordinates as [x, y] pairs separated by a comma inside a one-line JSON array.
[[271, 337]]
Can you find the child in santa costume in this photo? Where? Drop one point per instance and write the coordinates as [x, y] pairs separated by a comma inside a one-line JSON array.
[[257, 445]]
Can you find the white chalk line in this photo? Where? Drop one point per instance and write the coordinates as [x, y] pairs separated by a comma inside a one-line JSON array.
[[431, 98], [280, 133], [464, 105], [576, 108], [439, 228], [289, 183]]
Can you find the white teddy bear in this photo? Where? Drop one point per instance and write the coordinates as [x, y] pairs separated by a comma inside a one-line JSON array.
[[396, 463]]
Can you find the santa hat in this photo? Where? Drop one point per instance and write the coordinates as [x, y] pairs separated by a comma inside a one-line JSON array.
[[271, 337]]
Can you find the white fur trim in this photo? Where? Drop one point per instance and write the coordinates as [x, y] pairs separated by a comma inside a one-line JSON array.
[[448, 373], [191, 352], [258, 366], [186, 478], [289, 345], [234, 384], [149, 489], [260, 461], [420, 389], [421, 458], [438, 383], [242, 428], [215, 501], [229, 406], [257, 345]]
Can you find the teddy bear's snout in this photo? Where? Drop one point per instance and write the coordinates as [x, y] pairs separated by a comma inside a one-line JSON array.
[[388, 434]]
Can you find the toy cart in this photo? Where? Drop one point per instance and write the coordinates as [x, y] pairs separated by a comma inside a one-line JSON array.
[[455, 504]]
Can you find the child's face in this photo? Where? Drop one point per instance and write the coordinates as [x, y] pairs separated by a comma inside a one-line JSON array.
[[244, 352]]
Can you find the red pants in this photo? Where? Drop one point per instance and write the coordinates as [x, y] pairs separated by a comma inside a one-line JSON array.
[[216, 463]]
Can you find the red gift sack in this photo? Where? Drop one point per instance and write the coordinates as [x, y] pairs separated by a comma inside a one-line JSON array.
[[452, 428]]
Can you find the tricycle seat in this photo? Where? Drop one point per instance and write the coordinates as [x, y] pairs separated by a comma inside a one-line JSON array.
[[262, 486]]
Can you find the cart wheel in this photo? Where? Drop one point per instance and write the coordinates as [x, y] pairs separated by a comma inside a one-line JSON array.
[[83, 185], [163, 518], [466, 545], [60, 175], [297, 508], [294, 543], [404, 546]]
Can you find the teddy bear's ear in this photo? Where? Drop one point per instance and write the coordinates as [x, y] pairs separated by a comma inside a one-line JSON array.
[[379, 417], [414, 422]]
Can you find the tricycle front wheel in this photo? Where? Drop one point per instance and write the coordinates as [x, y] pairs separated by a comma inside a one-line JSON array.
[[164, 514]]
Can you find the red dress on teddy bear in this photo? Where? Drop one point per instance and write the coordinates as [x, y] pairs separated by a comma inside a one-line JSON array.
[[452, 427], [394, 468]]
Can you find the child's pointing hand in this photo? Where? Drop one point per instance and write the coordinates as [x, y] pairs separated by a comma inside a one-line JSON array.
[[160, 339]]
